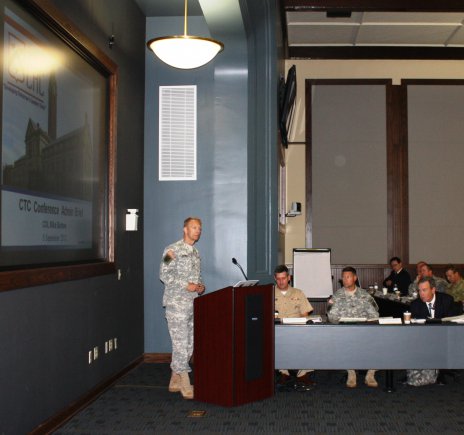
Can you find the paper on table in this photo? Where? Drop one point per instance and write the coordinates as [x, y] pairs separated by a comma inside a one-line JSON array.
[[390, 321], [419, 321], [315, 318], [294, 320], [352, 319], [455, 319]]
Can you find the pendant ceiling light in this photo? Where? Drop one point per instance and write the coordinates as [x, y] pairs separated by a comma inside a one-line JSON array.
[[185, 51]]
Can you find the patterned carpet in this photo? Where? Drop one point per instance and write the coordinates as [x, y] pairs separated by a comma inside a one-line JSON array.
[[140, 403]]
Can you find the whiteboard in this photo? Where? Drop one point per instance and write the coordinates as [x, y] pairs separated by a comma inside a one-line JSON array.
[[312, 273]]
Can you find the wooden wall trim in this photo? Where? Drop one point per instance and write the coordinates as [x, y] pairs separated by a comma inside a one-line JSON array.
[[57, 22], [157, 358], [376, 52], [370, 274], [397, 174], [60, 418], [309, 164], [367, 274], [21, 278], [376, 5]]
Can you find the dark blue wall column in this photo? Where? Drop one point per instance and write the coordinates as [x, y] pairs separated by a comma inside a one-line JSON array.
[[260, 23]]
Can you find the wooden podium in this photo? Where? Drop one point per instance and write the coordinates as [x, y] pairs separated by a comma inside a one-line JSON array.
[[234, 345]]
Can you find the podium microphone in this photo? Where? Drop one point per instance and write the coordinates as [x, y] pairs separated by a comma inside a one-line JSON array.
[[234, 260]]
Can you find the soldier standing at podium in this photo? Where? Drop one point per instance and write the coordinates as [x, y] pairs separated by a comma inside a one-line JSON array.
[[180, 272]]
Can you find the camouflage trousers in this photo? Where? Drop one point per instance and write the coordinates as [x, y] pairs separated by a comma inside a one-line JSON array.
[[418, 378], [180, 325]]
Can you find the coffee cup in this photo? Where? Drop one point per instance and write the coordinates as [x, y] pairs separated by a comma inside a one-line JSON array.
[[407, 317], [385, 291]]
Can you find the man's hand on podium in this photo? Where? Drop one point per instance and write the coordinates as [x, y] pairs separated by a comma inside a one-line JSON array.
[[192, 287]]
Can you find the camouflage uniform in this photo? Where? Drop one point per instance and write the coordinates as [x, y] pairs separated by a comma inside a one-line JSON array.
[[457, 290], [176, 274], [418, 378], [356, 304], [440, 284], [293, 304]]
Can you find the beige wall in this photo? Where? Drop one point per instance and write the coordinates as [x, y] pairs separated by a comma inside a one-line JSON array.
[[294, 229], [396, 70]]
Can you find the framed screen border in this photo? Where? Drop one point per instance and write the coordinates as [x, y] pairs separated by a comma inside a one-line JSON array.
[[25, 276]]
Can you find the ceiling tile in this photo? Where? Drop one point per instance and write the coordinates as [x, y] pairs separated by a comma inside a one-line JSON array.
[[458, 38], [320, 17], [321, 35], [376, 28], [413, 17], [404, 35]]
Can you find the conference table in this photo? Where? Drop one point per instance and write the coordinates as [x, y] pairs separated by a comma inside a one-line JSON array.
[[370, 346], [390, 305]]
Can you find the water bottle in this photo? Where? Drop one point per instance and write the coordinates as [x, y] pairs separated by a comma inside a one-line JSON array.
[[396, 291]]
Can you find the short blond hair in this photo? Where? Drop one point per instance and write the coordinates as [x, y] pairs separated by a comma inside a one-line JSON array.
[[192, 218]]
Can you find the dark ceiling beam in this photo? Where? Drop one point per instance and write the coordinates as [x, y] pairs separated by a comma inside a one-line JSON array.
[[375, 5], [416, 53]]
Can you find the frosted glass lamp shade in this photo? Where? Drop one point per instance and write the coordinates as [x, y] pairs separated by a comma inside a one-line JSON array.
[[184, 51]]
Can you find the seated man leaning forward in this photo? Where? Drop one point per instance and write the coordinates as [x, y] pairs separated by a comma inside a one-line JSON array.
[[456, 283], [352, 301], [290, 302], [427, 271]]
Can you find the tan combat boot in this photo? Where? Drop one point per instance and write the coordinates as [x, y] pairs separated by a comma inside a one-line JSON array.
[[370, 379], [174, 383], [185, 388], [351, 381]]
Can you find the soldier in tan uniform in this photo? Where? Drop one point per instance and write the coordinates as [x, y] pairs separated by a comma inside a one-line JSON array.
[[180, 272], [290, 302]]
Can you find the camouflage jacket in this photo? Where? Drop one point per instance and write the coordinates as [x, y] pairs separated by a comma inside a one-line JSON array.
[[360, 304], [178, 272], [418, 378], [457, 290]]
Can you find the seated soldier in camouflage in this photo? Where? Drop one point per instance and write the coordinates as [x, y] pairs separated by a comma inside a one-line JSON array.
[[456, 284], [290, 302], [427, 271], [413, 286], [352, 301]]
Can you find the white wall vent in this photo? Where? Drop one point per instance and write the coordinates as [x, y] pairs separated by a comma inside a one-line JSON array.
[[177, 133]]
